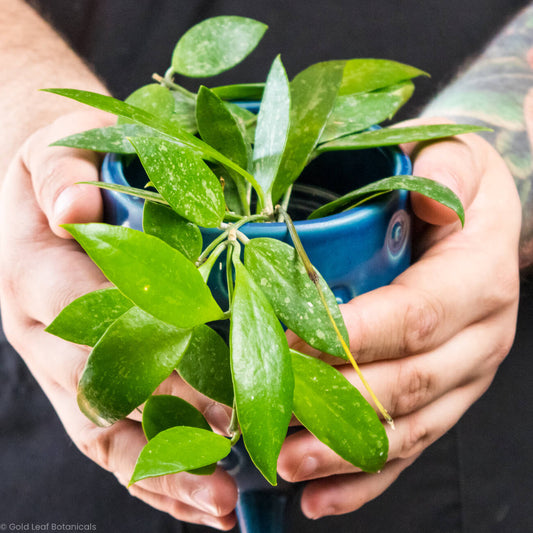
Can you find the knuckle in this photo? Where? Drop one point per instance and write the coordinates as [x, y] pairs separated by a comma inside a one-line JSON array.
[[417, 437], [421, 320], [415, 387], [97, 444]]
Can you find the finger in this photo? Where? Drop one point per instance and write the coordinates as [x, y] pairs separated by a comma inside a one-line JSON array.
[[407, 384], [55, 271], [182, 511], [407, 387], [304, 457], [346, 493], [117, 448], [451, 162], [55, 170]]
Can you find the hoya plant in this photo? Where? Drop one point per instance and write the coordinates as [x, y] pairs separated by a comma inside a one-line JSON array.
[[212, 163]]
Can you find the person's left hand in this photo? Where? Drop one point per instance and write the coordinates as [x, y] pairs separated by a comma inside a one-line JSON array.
[[430, 343]]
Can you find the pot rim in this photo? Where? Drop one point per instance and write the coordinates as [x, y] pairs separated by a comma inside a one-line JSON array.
[[401, 164]]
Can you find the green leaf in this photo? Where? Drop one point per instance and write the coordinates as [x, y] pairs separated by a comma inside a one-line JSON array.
[[222, 128], [240, 91], [394, 136], [161, 124], [219, 128], [184, 111], [215, 45], [126, 365], [125, 189], [154, 98], [85, 319], [183, 179], [246, 119], [313, 93], [358, 112], [152, 274], [179, 449], [272, 128], [277, 269], [430, 188], [162, 222], [112, 139], [335, 412], [262, 373], [363, 75], [163, 412], [206, 365]]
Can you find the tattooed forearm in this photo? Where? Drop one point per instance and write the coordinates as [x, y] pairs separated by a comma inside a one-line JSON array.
[[497, 90]]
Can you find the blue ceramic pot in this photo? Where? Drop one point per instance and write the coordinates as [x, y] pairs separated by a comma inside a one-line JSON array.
[[356, 251]]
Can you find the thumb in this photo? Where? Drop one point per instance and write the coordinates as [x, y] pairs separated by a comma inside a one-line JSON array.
[[55, 172], [452, 163]]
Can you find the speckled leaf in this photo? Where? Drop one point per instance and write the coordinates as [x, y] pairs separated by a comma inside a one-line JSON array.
[[163, 412], [358, 112], [262, 373], [132, 191], [152, 274], [313, 93], [215, 45], [272, 127], [183, 179], [154, 98], [184, 110], [206, 365], [85, 319], [161, 124], [246, 119], [162, 222], [277, 269], [333, 410], [431, 189], [179, 449], [393, 136], [126, 365], [112, 139], [363, 75]]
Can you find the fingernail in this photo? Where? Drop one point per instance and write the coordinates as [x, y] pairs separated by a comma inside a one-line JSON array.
[[328, 511], [307, 467], [63, 203], [204, 499]]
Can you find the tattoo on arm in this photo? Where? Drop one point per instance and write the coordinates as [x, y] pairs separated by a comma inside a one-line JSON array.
[[496, 90]]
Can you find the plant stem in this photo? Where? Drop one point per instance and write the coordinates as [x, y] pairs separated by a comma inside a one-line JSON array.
[[285, 202], [207, 265], [169, 83], [210, 247], [313, 276]]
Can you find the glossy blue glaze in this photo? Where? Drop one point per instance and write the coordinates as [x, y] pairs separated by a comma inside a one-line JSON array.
[[356, 251]]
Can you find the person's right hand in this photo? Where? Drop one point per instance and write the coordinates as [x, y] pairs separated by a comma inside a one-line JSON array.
[[41, 271]]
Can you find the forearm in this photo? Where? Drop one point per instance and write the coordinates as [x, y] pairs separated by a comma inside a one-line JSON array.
[[497, 90], [32, 57]]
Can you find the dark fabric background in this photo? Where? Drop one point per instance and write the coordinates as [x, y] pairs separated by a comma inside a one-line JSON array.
[[476, 479]]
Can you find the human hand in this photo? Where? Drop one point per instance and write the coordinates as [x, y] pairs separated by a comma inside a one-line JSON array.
[[430, 343], [41, 271]]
